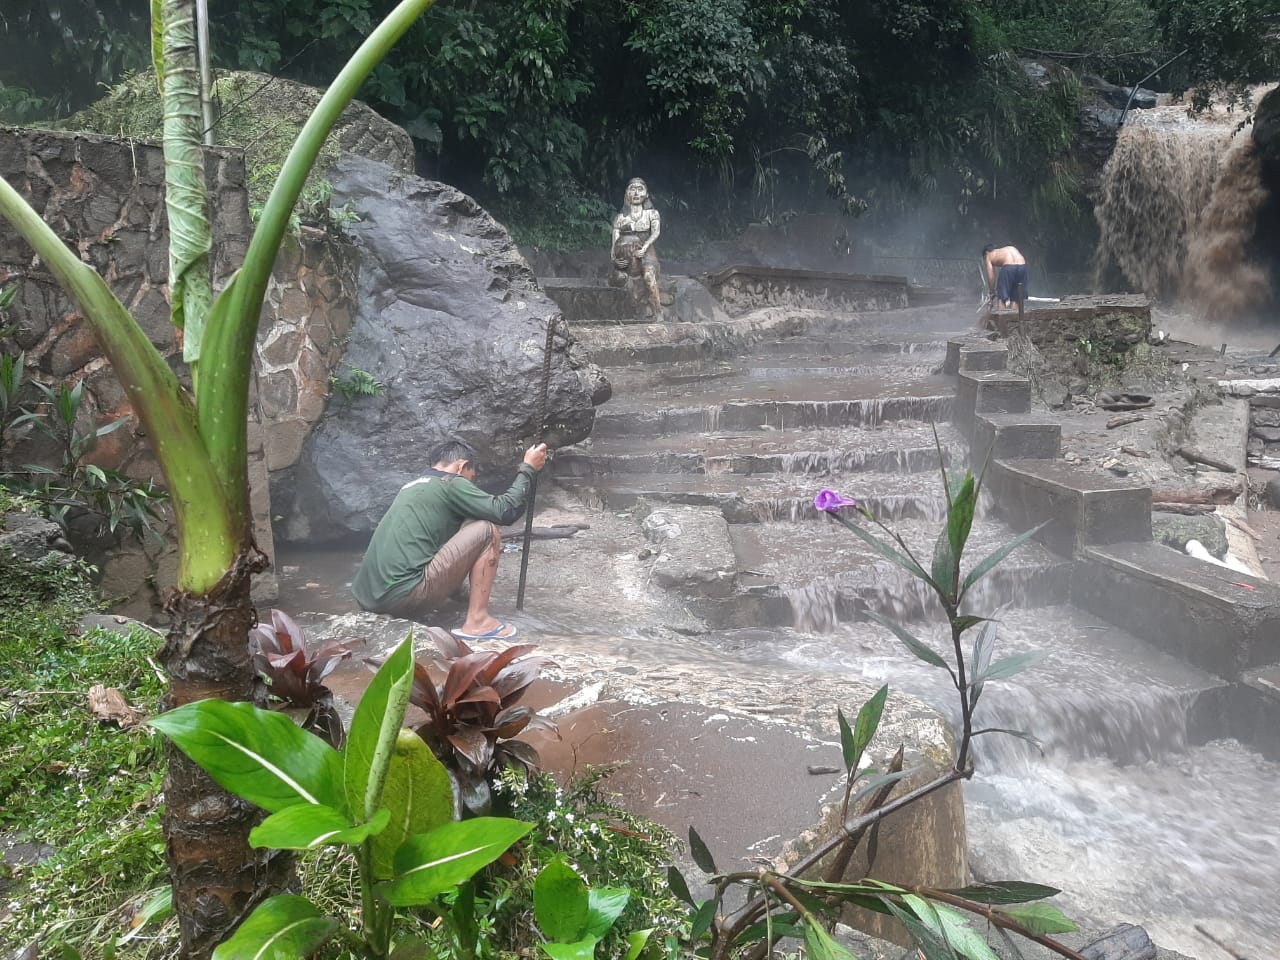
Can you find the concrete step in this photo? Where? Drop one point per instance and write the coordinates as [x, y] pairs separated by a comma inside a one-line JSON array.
[[973, 355], [652, 417], [1248, 710], [989, 391], [901, 447], [1215, 618], [767, 496], [1014, 436], [1082, 508], [910, 344]]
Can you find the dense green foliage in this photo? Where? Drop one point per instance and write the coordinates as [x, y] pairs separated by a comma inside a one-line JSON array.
[[545, 107]]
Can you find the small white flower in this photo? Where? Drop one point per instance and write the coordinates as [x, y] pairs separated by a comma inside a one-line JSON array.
[[569, 817], [595, 827], [551, 815], [577, 832]]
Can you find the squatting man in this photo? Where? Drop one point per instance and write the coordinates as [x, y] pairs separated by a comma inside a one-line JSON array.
[[441, 529]]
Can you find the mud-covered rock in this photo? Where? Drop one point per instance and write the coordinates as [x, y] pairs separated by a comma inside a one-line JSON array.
[[450, 319], [1175, 530]]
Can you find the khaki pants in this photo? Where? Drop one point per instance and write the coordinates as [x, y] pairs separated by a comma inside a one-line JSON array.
[[447, 569]]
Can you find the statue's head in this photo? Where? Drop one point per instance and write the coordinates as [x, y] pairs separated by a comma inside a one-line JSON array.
[[637, 191]]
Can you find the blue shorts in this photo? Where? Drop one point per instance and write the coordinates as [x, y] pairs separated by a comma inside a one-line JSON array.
[[1007, 280]]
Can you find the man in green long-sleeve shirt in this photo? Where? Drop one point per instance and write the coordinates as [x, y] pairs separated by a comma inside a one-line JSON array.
[[440, 529]]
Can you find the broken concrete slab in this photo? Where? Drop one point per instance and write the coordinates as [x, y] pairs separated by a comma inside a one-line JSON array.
[[695, 556]]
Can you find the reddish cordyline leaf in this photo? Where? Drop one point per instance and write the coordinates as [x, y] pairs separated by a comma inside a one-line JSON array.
[[537, 722], [295, 660], [462, 674], [504, 658], [512, 682], [288, 631], [519, 752], [472, 744], [424, 693], [480, 695], [448, 644], [511, 721], [327, 660]]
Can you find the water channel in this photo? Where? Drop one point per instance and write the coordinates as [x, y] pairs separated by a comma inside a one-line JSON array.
[[1120, 811]]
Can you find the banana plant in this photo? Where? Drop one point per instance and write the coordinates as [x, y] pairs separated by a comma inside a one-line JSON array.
[[199, 437]]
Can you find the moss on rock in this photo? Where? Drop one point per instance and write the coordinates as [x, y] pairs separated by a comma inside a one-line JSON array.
[[259, 113]]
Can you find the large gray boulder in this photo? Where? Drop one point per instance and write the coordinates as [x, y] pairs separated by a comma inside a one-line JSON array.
[[450, 319]]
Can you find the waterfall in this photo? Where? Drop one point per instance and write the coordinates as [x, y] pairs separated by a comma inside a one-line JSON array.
[[1178, 208]]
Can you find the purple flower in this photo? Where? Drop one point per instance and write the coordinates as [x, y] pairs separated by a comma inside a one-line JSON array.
[[828, 501]]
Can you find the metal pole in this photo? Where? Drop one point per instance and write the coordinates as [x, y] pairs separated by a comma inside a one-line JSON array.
[[206, 74], [533, 481], [1133, 92]]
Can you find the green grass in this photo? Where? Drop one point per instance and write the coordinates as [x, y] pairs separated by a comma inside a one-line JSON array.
[[84, 793]]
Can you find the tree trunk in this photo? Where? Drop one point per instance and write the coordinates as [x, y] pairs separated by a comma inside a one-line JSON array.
[[217, 877]]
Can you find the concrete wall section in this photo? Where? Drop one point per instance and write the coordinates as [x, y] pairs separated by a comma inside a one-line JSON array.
[[743, 289]]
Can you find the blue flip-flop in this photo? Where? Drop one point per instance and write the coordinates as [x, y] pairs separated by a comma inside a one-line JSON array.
[[494, 634]]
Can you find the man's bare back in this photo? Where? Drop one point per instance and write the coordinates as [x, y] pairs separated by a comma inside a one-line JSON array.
[[1014, 281]]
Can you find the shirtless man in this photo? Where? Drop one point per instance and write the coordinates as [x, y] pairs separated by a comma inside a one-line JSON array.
[[1010, 285]]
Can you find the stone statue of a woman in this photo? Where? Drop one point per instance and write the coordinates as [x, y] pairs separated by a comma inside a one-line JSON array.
[[635, 231]]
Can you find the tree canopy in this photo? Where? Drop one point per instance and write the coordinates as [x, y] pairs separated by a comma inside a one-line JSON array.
[[558, 102]]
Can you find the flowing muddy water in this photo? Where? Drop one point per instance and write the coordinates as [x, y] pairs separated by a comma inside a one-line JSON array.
[[1179, 205], [1120, 811]]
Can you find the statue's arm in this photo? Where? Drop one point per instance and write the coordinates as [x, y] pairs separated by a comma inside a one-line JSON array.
[[617, 232], [655, 228]]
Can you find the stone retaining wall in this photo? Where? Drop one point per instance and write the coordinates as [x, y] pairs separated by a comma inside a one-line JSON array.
[[105, 197], [743, 289]]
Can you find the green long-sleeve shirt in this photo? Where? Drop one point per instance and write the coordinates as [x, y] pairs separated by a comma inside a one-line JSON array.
[[425, 514]]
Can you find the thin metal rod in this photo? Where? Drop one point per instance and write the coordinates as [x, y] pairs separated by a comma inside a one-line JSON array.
[[206, 73], [528, 536], [1133, 92]]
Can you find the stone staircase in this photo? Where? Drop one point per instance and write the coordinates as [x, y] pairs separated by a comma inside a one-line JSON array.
[[717, 448], [735, 442]]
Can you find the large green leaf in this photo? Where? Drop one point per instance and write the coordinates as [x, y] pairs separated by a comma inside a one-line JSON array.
[[374, 729], [432, 863], [605, 906], [997, 555], [420, 795], [821, 945], [1041, 919], [1005, 891], [636, 941], [584, 949], [259, 755], [306, 826], [916, 646], [281, 928], [561, 902]]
